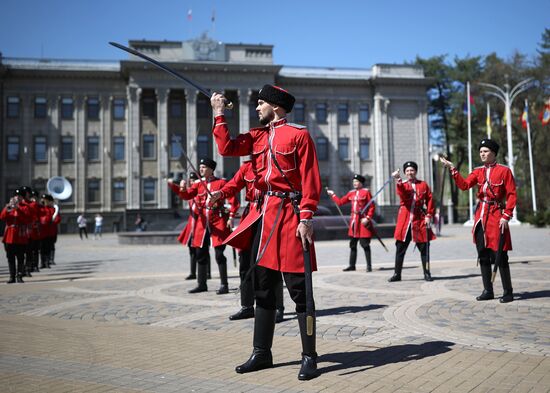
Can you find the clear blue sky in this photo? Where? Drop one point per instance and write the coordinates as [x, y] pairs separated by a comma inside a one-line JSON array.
[[307, 33]]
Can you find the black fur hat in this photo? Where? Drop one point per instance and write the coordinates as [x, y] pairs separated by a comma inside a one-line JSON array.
[[489, 143], [410, 164], [276, 95], [208, 162]]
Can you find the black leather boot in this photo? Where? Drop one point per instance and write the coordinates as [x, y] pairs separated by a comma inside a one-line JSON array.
[[368, 257], [427, 274], [308, 370], [201, 280], [193, 264], [264, 327], [224, 287], [508, 295], [243, 313], [19, 279], [486, 272], [352, 260], [52, 257], [397, 273]]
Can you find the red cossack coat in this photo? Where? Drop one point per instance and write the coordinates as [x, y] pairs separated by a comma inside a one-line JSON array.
[[416, 204], [185, 235], [244, 178], [48, 224], [35, 209], [495, 184], [213, 218], [295, 152], [358, 199], [17, 224]]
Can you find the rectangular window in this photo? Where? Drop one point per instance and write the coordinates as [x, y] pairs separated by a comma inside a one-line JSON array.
[[119, 190], [93, 109], [67, 108], [364, 114], [149, 107], [322, 148], [93, 148], [343, 114], [67, 148], [12, 147], [176, 108], [12, 109], [40, 149], [321, 113], [204, 109], [40, 107], [364, 147], [299, 112], [343, 148], [175, 147], [203, 149], [93, 191], [119, 108], [148, 146], [119, 148], [149, 188]]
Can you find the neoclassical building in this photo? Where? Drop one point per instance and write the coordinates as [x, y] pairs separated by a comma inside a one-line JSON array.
[[116, 129]]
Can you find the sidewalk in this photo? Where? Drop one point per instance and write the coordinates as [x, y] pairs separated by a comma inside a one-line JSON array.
[[112, 318]]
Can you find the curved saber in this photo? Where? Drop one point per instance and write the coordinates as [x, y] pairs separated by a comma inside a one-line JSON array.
[[183, 153], [339, 210], [228, 104], [376, 194]]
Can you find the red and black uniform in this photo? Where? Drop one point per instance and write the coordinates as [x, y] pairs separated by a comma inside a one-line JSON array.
[[210, 225], [16, 238], [186, 235], [245, 178], [48, 234], [495, 184], [416, 204], [358, 232], [33, 248], [276, 246]]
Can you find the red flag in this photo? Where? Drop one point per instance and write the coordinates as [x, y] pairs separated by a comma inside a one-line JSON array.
[[545, 115], [190, 15]]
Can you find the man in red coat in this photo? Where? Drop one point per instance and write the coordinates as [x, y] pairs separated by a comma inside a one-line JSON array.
[[495, 184], [49, 219], [413, 218], [245, 178], [186, 235], [211, 224], [287, 174], [17, 216], [360, 222]]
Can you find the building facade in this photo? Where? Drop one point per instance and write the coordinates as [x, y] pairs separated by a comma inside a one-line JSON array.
[[116, 130]]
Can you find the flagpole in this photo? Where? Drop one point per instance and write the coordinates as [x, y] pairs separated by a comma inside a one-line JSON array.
[[489, 130], [533, 192], [471, 193]]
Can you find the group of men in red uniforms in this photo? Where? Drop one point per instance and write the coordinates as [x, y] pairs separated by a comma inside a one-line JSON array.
[[275, 235], [30, 232]]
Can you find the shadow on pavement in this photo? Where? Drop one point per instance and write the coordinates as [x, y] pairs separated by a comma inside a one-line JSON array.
[[459, 277], [531, 295], [380, 357], [343, 310]]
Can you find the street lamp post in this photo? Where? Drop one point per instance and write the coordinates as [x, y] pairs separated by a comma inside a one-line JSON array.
[[507, 96]]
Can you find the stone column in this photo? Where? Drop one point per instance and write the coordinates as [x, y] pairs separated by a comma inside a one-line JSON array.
[[382, 164], [163, 201], [191, 125], [132, 147], [354, 137], [80, 158], [244, 124], [105, 152], [334, 158], [216, 156], [423, 152], [54, 137]]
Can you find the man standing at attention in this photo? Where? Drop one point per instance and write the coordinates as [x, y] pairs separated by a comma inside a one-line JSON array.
[[287, 175]]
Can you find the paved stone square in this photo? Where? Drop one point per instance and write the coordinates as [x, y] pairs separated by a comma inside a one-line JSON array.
[[113, 318]]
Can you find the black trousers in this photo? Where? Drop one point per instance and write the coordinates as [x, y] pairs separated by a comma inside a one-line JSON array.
[[15, 252], [486, 255], [202, 254], [365, 245], [266, 281], [401, 248], [82, 230]]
